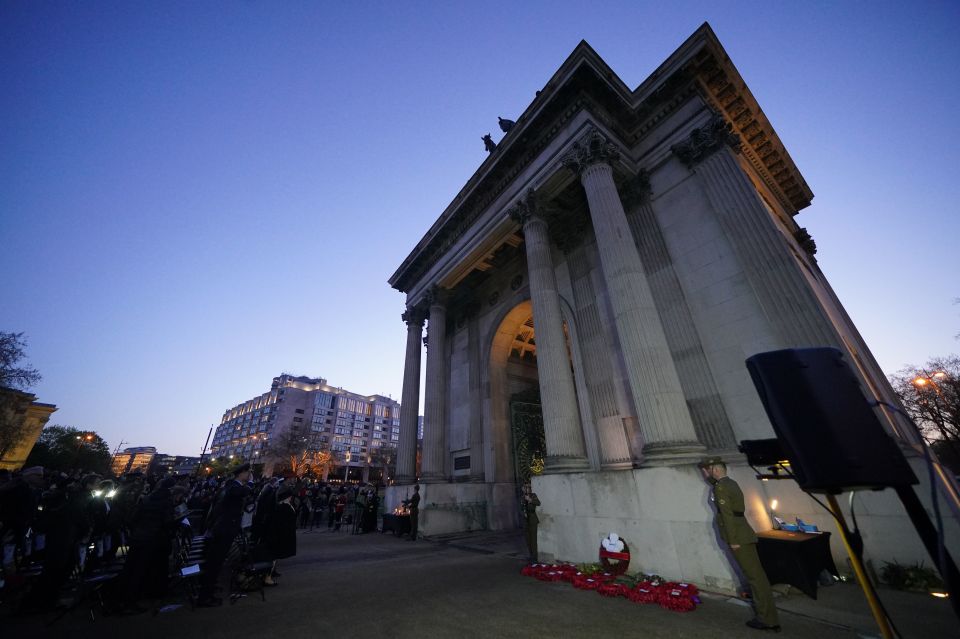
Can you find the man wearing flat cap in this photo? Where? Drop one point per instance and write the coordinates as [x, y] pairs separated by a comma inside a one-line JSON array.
[[222, 527], [728, 501]]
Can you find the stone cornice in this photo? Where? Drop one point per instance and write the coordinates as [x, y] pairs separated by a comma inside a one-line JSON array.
[[721, 86]]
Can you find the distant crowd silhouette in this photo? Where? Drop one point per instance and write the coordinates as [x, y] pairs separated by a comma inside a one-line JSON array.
[[111, 545]]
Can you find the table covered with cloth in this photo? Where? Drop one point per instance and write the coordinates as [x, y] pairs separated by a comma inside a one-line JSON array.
[[398, 524], [795, 558]]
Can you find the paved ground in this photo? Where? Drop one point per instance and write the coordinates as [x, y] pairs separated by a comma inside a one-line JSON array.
[[467, 586]]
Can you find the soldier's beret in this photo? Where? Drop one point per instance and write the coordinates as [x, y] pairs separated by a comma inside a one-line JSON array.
[[706, 462]]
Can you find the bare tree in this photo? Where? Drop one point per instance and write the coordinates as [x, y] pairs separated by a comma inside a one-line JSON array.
[[300, 453], [12, 374], [931, 396]]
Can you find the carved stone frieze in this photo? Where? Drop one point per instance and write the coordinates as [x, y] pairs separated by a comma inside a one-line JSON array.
[[707, 139], [592, 148]]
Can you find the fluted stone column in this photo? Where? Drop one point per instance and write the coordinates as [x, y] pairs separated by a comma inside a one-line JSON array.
[[476, 410], [668, 432], [410, 400], [762, 250], [433, 462], [561, 416]]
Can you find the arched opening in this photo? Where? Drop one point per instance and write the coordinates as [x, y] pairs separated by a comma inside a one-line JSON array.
[[514, 393]]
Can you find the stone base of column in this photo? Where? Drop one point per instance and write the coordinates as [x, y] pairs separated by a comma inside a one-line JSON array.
[[476, 479], [434, 478], [672, 453], [404, 480], [557, 464], [621, 465]]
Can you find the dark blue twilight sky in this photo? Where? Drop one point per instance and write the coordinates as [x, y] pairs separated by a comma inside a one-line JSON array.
[[195, 197]]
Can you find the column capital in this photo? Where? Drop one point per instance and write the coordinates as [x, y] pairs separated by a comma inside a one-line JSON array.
[[636, 190], [436, 296], [413, 316], [705, 140], [529, 207], [592, 148]]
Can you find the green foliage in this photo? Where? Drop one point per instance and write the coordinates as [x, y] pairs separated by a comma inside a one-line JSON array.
[[589, 569], [912, 577], [65, 448], [221, 466]]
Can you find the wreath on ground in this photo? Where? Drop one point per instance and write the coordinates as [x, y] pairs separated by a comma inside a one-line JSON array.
[[609, 578]]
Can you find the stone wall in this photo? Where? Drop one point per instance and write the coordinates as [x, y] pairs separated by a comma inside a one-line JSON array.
[[665, 517]]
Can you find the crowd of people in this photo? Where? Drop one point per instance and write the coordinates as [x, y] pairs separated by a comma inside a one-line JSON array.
[[56, 527]]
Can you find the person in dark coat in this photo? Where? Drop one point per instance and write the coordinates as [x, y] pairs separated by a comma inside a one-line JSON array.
[[64, 526], [280, 533], [266, 503], [223, 526], [370, 512], [18, 503], [145, 570]]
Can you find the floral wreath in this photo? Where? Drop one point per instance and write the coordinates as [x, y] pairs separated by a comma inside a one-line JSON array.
[[614, 554]]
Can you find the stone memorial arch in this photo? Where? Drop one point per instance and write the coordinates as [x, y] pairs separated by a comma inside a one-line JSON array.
[[618, 254]]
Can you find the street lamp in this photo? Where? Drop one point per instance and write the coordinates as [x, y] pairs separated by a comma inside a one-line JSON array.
[[922, 380]]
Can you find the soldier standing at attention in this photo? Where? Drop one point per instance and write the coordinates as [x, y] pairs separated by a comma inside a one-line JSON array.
[[414, 504], [728, 500], [529, 506]]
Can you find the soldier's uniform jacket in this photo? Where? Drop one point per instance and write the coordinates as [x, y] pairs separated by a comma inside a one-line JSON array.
[[728, 499], [414, 502], [530, 509]]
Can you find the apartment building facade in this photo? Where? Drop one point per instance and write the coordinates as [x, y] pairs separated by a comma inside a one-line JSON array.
[[352, 426]]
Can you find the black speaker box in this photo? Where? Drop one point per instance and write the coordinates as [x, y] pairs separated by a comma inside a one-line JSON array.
[[829, 432]]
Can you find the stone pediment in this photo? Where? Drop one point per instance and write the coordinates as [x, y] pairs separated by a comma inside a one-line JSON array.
[[585, 83]]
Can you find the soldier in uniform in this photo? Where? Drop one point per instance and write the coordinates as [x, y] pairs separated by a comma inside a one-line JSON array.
[[414, 504], [529, 506], [734, 530]]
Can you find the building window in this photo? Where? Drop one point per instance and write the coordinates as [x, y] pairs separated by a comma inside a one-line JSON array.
[[298, 419], [299, 411]]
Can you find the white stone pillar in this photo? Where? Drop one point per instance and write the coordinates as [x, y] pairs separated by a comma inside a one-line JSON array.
[[762, 250], [561, 416], [410, 400], [668, 433], [435, 452]]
